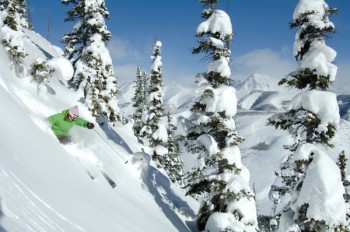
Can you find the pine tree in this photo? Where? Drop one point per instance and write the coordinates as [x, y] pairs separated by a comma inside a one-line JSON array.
[[74, 40], [346, 182], [306, 122], [156, 128], [145, 132], [212, 135], [139, 101], [23, 14], [13, 15], [28, 16], [41, 72], [173, 164], [86, 49]]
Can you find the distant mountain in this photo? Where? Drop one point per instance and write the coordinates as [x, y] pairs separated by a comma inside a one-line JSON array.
[[257, 92], [344, 106], [262, 92], [177, 99], [256, 81]]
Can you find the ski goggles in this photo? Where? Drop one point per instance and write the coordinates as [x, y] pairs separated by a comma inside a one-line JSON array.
[[71, 117]]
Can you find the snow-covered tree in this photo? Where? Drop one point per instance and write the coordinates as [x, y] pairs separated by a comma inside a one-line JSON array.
[[14, 14], [86, 49], [316, 71], [139, 101], [14, 19], [173, 164], [41, 72], [28, 15], [145, 132], [311, 198], [74, 40], [155, 124], [310, 188], [342, 160], [210, 133]]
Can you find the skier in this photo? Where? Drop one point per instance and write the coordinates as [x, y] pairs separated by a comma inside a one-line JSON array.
[[61, 123]]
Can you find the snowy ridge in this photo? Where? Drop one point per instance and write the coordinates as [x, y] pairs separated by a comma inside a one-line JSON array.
[[344, 106], [258, 92], [256, 81], [177, 99]]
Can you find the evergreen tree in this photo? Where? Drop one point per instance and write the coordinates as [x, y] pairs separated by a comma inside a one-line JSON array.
[[28, 16], [305, 119], [220, 177], [23, 14], [41, 72], [74, 40], [346, 182], [172, 160], [313, 26], [156, 128], [310, 200], [139, 101], [13, 16], [86, 49], [145, 132]]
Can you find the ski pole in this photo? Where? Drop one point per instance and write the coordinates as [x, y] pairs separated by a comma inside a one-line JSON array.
[[126, 161]]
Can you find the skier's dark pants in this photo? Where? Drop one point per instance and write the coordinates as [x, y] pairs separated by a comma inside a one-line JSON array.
[[64, 139]]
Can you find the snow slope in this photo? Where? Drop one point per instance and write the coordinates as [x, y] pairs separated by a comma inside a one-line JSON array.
[[45, 186]]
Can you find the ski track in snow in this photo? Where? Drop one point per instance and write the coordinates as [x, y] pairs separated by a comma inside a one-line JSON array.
[[27, 204], [85, 157]]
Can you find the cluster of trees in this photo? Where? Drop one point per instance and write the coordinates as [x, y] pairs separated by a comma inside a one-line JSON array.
[[85, 48], [14, 20], [219, 178], [152, 124]]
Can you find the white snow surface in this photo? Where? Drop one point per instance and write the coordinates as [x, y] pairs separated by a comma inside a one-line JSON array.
[[220, 66], [62, 68], [321, 103], [322, 188], [319, 58], [219, 21], [224, 100]]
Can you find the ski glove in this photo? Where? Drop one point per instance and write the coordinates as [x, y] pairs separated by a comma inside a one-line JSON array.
[[90, 125]]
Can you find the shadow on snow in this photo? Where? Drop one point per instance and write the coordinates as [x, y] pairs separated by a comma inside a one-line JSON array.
[[1, 215], [159, 186], [115, 137]]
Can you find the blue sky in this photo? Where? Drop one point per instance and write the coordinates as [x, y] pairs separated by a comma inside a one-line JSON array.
[[263, 42]]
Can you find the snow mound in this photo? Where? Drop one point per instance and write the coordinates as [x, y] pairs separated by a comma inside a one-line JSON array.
[[62, 67], [140, 162]]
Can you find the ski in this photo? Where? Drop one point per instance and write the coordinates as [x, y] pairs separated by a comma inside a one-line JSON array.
[[109, 180], [90, 175]]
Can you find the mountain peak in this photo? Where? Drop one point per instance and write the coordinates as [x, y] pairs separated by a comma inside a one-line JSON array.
[[257, 81]]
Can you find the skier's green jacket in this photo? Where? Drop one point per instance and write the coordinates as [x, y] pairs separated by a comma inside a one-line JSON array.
[[61, 123]]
